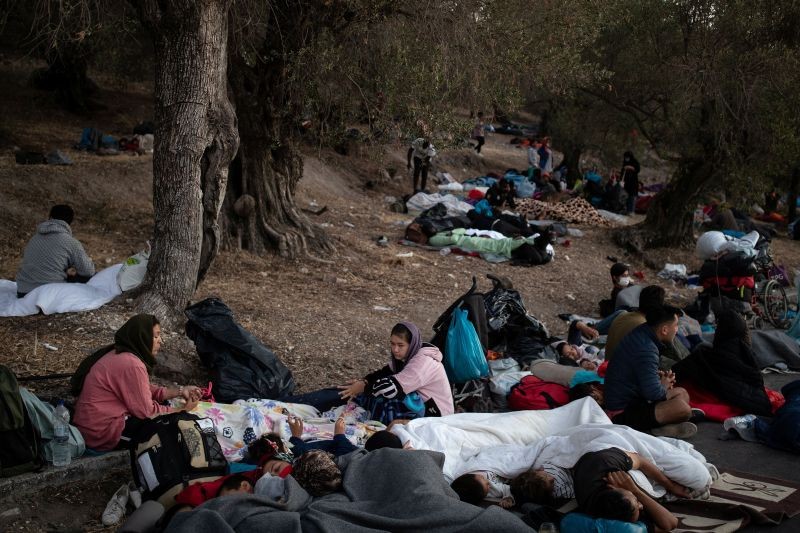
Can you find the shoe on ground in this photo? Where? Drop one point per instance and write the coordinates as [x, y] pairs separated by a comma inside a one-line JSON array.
[[683, 430], [698, 415], [115, 510], [743, 426]]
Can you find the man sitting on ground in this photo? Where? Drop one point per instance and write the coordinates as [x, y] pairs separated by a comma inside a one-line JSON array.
[[53, 255], [637, 393], [620, 279]]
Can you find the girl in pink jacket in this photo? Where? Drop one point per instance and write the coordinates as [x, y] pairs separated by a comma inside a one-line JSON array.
[[414, 383]]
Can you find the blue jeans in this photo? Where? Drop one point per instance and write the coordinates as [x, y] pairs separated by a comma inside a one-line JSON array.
[[602, 326], [322, 399]]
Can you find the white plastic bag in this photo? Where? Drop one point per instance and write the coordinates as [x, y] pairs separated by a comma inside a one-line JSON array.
[[133, 270]]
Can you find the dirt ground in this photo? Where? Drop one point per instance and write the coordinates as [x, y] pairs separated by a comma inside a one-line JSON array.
[[327, 320]]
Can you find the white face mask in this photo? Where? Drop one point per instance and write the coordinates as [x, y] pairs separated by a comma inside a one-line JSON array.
[[624, 281]]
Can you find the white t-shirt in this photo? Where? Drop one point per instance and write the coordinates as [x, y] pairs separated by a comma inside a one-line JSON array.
[[421, 152]]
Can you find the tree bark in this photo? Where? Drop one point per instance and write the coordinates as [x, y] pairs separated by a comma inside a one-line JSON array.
[[260, 213], [794, 185], [670, 218], [572, 158], [195, 141]]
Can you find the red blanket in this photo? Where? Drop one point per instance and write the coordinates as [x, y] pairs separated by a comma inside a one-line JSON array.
[[715, 409]]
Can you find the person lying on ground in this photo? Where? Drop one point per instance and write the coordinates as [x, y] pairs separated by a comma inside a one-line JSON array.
[[548, 485], [339, 445], [414, 367], [476, 487], [317, 472], [53, 255], [637, 393], [270, 454], [384, 439], [236, 484], [583, 355], [604, 489], [501, 195], [113, 390]]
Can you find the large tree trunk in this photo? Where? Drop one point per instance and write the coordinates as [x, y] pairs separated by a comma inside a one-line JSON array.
[[260, 213], [794, 185], [671, 214], [195, 141], [572, 158]]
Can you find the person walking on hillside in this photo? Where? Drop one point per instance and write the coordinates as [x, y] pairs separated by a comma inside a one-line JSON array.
[[479, 133], [630, 174], [53, 255], [422, 152]]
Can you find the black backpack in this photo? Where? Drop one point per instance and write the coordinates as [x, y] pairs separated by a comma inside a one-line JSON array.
[[21, 450], [169, 451]]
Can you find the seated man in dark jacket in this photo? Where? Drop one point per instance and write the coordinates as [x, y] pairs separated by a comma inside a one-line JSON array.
[[637, 393]]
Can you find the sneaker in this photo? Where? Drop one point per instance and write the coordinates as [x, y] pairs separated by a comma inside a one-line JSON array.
[[382, 241], [743, 426], [135, 495], [698, 415], [115, 510], [684, 430]]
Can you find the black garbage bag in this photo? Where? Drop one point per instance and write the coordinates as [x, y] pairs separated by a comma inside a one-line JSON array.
[[241, 366]]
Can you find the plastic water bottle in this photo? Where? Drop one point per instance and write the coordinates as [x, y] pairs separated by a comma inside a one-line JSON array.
[[61, 453]]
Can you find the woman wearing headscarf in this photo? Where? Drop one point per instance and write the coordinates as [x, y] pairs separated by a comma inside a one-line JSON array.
[[728, 368], [113, 389], [414, 383], [630, 174]]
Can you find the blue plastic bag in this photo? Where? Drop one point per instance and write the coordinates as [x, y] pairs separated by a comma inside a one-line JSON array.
[[463, 355]]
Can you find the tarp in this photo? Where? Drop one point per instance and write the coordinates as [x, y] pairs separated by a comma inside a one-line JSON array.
[[242, 367]]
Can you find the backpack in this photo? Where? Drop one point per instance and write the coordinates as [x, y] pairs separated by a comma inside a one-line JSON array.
[[169, 451], [21, 450], [414, 233], [531, 393]]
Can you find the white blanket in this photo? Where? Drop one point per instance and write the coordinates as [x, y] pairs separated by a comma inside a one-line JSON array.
[[677, 459], [421, 202], [465, 435], [61, 297]]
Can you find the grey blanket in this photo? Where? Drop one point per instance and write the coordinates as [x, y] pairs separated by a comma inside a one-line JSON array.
[[385, 490], [771, 346]]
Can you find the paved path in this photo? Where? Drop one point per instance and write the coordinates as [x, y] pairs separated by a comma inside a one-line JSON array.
[[751, 457]]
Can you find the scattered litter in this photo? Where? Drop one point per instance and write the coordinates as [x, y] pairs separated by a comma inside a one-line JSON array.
[[50, 347], [574, 232], [10, 512], [382, 241], [459, 258], [382, 308], [406, 254], [304, 270], [313, 203], [348, 224], [264, 274], [673, 272], [452, 276], [445, 251], [325, 225], [571, 297], [567, 257], [389, 199]]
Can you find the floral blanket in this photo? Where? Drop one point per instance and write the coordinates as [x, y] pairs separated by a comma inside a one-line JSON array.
[[240, 423]]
